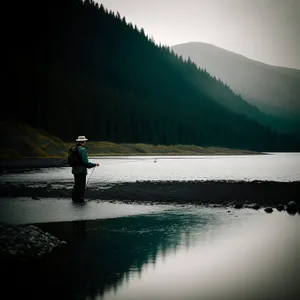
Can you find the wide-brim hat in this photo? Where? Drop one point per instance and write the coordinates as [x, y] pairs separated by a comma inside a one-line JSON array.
[[81, 138]]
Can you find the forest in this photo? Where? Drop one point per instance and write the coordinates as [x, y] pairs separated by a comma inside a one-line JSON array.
[[75, 68]]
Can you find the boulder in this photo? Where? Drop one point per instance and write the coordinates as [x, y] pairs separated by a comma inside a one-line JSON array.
[[268, 210], [238, 205], [280, 207], [255, 206], [291, 203], [292, 208]]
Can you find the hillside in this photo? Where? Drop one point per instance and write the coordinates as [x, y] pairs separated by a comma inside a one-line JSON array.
[[20, 141], [273, 90], [76, 68]]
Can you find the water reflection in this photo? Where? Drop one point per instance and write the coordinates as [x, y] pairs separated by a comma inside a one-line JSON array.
[[104, 255], [23, 210], [180, 254], [258, 259]]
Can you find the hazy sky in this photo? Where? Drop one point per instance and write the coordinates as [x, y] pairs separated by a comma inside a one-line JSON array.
[[264, 30]]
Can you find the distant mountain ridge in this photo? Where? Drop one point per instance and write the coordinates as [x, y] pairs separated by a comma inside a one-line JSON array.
[[275, 90]]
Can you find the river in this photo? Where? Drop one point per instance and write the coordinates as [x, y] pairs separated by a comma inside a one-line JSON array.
[[121, 251]]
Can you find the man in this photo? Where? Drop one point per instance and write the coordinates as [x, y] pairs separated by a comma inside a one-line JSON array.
[[80, 171]]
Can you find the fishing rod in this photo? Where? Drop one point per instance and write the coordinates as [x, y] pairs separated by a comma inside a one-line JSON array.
[[89, 178]]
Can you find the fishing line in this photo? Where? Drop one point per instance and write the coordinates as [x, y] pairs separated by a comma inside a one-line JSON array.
[[112, 163], [132, 160], [108, 179]]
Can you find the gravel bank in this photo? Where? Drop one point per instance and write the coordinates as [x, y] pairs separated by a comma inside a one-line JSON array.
[[196, 192], [25, 243], [235, 194]]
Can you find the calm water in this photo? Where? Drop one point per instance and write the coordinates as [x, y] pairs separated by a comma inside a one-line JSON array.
[[277, 167], [120, 251], [172, 252]]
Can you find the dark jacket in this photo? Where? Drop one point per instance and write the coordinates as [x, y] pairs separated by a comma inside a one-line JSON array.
[[85, 162]]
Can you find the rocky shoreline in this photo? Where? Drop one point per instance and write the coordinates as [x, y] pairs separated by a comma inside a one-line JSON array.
[[25, 244], [227, 194]]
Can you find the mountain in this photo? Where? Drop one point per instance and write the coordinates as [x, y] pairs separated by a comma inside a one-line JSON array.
[[273, 90], [76, 68]]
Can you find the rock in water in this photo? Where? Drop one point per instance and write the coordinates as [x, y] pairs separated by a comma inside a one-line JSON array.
[[292, 208], [255, 206], [238, 205], [280, 207]]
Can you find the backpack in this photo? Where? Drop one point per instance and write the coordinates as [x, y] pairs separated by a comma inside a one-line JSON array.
[[74, 158]]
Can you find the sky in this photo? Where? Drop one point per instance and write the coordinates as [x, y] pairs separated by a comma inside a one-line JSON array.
[[264, 30]]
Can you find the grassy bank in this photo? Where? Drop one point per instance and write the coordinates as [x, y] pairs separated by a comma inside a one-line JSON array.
[[21, 141], [107, 148]]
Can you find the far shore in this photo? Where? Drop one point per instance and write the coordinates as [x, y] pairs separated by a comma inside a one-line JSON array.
[[43, 162], [32, 163], [237, 152]]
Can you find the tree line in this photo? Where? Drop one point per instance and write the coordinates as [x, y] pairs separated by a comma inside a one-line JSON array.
[[76, 68]]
